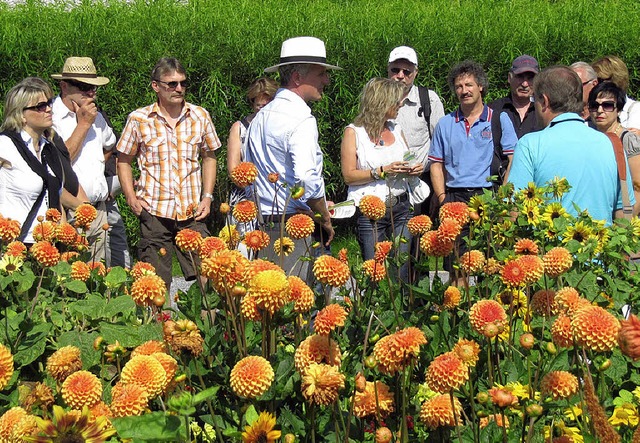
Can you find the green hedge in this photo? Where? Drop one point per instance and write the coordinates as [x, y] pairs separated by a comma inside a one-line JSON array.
[[225, 45]]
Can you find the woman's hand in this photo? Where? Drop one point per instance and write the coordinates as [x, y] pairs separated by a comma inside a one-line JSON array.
[[416, 170], [396, 168]]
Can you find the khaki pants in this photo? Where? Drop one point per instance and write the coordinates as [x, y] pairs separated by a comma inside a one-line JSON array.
[[96, 236]]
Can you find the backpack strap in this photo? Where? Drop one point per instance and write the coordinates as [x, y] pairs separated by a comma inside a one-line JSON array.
[[245, 122], [425, 107], [499, 161], [618, 150]]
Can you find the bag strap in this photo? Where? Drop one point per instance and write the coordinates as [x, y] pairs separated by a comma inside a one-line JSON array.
[[618, 150], [425, 107]]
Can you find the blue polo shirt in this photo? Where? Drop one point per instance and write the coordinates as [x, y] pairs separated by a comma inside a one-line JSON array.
[[467, 150], [568, 148]]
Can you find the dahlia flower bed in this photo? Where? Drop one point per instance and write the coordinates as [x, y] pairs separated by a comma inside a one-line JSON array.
[[533, 346]]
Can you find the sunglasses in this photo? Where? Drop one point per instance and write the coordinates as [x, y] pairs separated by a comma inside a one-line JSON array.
[[606, 106], [587, 82], [174, 84], [41, 106], [406, 72], [84, 87]]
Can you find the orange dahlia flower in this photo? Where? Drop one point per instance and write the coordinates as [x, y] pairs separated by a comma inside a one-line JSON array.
[[595, 328], [561, 332], [544, 303], [629, 337], [245, 211], [439, 411], [372, 207], [67, 256], [128, 400], [329, 318], [302, 295], [284, 246], [101, 269], [81, 388], [395, 351], [468, 351], [557, 261], [559, 384], [300, 226], [513, 274], [80, 271], [251, 377], [85, 215], [45, 253], [434, 245], [149, 347], [472, 262], [256, 240], [53, 215], [211, 245], [183, 335], [330, 271], [533, 268], [419, 225], [146, 371], [270, 289], [568, 299], [343, 255], [375, 398], [321, 384], [449, 229], [169, 364], [446, 372], [382, 250], [16, 249], [451, 298], [188, 240], [374, 269], [44, 231], [486, 312], [9, 420], [6, 366], [316, 349], [64, 362], [526, 246], [456, 211], [9, 229], [142, 268], [244, 174], [147, 288], [225, 269], [249, 308], [492, 266], [258, 265]]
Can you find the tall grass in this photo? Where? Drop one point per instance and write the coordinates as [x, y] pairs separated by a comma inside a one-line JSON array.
[[225, 45]]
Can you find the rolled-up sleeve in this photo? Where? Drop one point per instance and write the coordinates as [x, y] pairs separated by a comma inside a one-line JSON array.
[[306, 158]]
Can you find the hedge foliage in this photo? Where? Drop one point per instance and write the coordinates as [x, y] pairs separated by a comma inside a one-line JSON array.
[[225, 45]]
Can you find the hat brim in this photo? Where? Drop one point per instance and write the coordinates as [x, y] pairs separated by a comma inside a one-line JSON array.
[[525, 69], [274, 68], [95, 81]]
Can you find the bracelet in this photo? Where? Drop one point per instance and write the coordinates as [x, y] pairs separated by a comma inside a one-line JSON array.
[[207, 195], [375, 174]]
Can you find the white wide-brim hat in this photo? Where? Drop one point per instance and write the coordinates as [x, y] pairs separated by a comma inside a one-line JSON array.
[[302, 50]]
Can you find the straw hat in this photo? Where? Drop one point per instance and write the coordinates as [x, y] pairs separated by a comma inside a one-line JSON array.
[[80, 69], [302, 50]]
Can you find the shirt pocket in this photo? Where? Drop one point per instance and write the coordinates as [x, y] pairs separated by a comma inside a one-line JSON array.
[[154, 150]]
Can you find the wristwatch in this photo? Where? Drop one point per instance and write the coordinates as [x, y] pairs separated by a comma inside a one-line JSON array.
[[207, 195]]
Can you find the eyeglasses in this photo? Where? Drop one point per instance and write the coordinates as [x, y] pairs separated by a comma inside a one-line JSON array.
[[606, 106], [174, 84], [406, 72], [41, 106], [587, 82], [84, 87]]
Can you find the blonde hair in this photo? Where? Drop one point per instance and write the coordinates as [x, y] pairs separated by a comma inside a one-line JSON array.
[[377, 97], [262, 86], [18, 98], [613, 69]]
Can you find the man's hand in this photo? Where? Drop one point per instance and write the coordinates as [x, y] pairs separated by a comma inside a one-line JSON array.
[[204, 208], [86, 111], [327, 228], [137, 205]]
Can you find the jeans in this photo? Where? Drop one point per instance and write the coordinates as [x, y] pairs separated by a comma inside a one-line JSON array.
[[396, 218], [117, 247]]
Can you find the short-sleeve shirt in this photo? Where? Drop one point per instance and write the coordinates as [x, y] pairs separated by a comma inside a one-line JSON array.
[[568, 148], [521, 126], [283, 138], [169, 158], [467, 150]]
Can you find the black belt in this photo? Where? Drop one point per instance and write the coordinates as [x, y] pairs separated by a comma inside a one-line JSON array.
[[467, 189], [393, 200]]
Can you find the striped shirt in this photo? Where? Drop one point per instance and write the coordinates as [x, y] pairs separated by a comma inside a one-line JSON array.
[[168, 158]]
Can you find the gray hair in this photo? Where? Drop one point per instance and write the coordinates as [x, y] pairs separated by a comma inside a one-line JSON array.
[[286, 72], [562, 87], [587, 68]]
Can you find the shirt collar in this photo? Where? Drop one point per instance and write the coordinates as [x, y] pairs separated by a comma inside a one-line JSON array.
[[485, 116], [566, 116], [155, 110], [29, 141], [413, 96], [60, 109]]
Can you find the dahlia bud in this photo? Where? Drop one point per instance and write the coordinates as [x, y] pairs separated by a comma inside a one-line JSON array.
[[370, 362], [273, 177], [482, 397], [289, 438], [40, 219], [605, 365], [361, 382], [162, 252], [551, 348], [238, 291], [527, 341], [629, 337], [224, 208], [383, 435], [98, 342], [180, 378], [534, 410], [105, 227], [434, 318], [297, 192], [490, 330]]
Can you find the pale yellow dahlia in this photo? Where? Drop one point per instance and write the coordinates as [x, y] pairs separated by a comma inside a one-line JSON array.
[[251, 377], [82, 388], [439, 411], [374, 398], [147, 371], [64, 362], [321, 384], [270, 289], [316, 349]]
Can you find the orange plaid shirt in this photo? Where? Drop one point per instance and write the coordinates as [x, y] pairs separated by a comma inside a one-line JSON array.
[[168, 158]]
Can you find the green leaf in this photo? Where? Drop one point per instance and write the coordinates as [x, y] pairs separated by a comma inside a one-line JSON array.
[[155, 426], [77, 286], [130, 336], [91, 307], [251, 415], [25, 280], [84, 341], [33, 346], [116, 277], [123, 304], [205, 395]]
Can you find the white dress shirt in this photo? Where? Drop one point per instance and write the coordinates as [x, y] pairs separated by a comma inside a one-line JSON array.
[[283, 138], [89, 164]]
